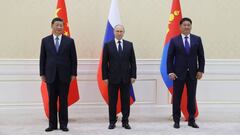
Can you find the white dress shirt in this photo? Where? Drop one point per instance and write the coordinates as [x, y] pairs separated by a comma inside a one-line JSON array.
[[188, 39], [116, 41], [59, 39]]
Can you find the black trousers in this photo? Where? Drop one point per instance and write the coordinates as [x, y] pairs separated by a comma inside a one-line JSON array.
[[178, 86], [125, 101], [58, 90]]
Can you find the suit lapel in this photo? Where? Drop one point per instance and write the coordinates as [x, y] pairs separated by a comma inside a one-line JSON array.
[[124, 48], [192, 41], [51, 44], [114, 47], [181, 45], [62, 43]]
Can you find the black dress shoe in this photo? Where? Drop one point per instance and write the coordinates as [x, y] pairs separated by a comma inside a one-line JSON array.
[[49, 129], [126, 126], [176, 125], [65, 129], [193, 124], [111, 126]]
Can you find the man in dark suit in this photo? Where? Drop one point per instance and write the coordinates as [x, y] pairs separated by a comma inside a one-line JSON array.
[[118, 72], [185, 65], [58, 66]]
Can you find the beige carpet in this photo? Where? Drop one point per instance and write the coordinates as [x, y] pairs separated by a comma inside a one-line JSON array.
[[214, 119]]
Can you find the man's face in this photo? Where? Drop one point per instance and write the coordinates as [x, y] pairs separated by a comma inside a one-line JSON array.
[[119, 32], [186, 27], [57, 28]]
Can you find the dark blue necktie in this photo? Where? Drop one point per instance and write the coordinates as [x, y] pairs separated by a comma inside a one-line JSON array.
[[187, 46], [119, 47], [57, 43]]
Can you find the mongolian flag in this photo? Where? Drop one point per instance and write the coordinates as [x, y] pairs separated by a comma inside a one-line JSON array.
[[172, 31]]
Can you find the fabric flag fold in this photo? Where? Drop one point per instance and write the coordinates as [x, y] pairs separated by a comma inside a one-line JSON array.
[[73, 95], [172, 31], [113, 20]]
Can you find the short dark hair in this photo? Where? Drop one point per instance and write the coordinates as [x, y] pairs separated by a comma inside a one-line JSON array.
[[56, 19], [185, 19]]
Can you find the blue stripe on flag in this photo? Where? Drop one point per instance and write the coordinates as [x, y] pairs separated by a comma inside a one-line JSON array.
[[163, 68], [108, 33], [132, 92]]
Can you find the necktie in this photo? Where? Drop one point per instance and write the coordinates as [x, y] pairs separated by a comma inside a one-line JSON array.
[[187, 46], [119, 47], [57, 43]]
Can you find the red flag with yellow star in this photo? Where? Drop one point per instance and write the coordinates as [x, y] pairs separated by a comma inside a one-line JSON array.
[[172, 31], [73, 95]]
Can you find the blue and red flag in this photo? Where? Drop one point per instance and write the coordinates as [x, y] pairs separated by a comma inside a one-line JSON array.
[[113, 20], [172, 31]]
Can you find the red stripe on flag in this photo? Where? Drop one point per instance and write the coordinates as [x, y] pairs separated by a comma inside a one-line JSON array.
[[101, 84], [44, 93]]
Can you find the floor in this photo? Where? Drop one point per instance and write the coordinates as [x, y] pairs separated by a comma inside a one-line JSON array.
[[214, 119]]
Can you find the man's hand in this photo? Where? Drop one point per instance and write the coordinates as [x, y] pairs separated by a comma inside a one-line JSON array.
[[43, 78], [73, 77], [133, 80], [199, 75], [106, 81], [172, 76]]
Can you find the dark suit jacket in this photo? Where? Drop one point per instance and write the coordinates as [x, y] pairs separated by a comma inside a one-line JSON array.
[[116, 67], [179, 62], [64, 61]]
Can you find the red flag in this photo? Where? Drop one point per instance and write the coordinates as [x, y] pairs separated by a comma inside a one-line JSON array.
[[73, 95], [172, 31]]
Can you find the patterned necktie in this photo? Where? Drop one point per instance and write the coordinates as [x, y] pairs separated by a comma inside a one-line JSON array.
[[119, 47], [57, 43], [187, 46]]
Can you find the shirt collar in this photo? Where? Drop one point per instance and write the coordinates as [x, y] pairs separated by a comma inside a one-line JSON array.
[[183, 36], [60, 37], [116, 41]]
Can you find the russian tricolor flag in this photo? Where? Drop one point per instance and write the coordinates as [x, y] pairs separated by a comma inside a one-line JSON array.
[[113, 20]]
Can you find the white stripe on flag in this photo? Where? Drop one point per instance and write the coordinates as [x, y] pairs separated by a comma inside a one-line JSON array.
[[114, 15]]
